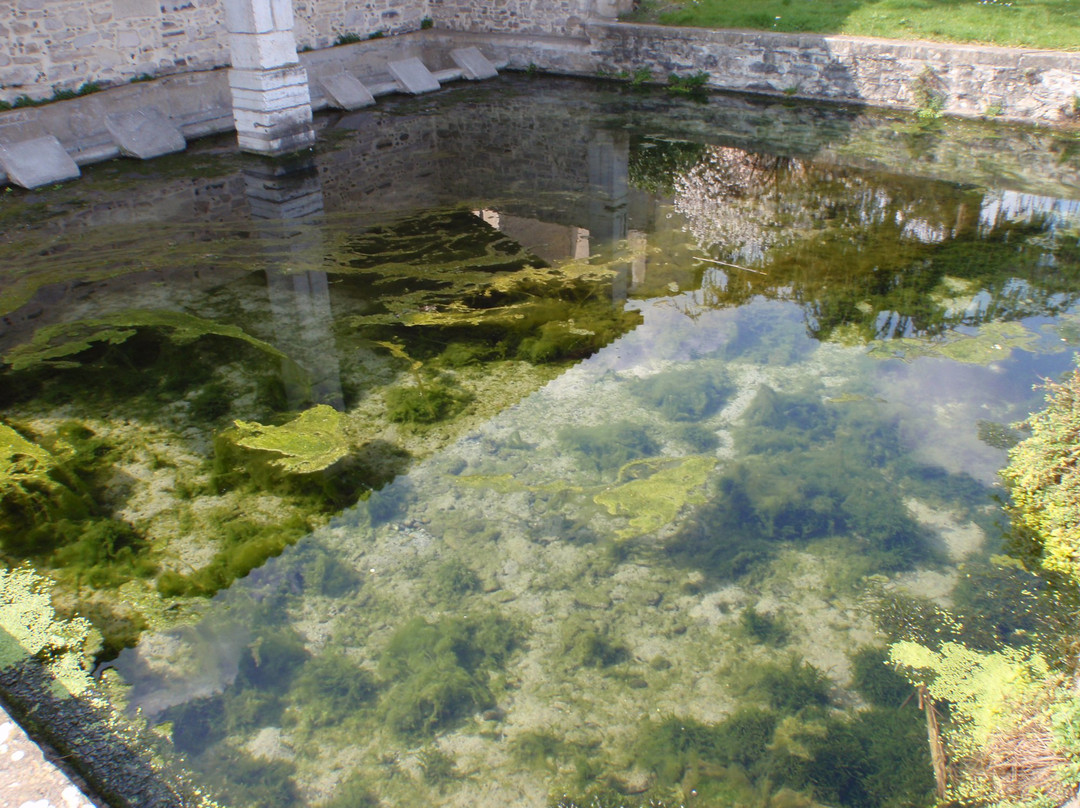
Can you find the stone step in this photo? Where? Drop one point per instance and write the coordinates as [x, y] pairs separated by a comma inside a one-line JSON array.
[[37, 162], [145, 133], [346, 91], [413, 75], [474, 65], [449, 74], [384, 88]]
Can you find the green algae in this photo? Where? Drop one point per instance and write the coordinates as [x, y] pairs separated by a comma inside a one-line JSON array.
[[807, 472], [684, 395], [993, 342], [435, 401], [657, 490], [52, 345], [450, 587], [788, 755], [588, 643], [311, 442], [877, 680], [437, 673], [53, 508], [608, 447]]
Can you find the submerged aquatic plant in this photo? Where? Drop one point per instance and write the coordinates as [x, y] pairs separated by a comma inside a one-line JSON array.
[[689, 394], [652, 492], [437, 672], [52, 345], [313, 441], [610, 446]]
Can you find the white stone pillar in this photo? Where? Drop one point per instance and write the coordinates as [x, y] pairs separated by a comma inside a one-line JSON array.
[[611, 9], [271, 101]]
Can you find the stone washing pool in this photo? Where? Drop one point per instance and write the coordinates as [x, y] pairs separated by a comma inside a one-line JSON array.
[[541, 443]]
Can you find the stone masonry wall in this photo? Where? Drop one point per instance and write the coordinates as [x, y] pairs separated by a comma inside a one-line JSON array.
[[963, 79], [62, 44], [561, 17]]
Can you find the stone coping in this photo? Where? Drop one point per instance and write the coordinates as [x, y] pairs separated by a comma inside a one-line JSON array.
[[28, 776]]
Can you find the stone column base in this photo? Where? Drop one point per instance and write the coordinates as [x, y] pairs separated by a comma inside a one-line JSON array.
[[272, 110]]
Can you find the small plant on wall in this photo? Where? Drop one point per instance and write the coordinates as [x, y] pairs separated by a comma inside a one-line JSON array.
[[928, 95], [692, 86]]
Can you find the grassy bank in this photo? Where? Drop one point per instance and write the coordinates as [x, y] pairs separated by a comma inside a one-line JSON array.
[[1052, 24]]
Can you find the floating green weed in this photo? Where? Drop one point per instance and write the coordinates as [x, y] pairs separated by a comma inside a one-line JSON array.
[[993, 342], [29, 627]]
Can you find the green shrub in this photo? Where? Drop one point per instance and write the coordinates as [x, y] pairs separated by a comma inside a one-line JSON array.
[[1043, 478], [692, 86]]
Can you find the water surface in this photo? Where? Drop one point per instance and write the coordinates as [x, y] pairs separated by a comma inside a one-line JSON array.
[[599, 472]]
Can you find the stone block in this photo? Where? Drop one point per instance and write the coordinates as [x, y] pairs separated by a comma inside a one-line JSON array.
[[145, 133], [474, 65], [275, 140], [285, 97], [263, 80], [256, 121], [413, 76], [346, 92], [248, 16], [282, 12], [135, 9], [37, 162], [262, 51]]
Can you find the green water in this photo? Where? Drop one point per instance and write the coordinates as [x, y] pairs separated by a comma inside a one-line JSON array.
[[599, 472]]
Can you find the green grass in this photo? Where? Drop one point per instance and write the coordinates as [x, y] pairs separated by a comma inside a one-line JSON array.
[[1053, 24]]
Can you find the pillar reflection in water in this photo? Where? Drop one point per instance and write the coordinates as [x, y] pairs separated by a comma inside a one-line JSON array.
[[286, 204], [609, 161]]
